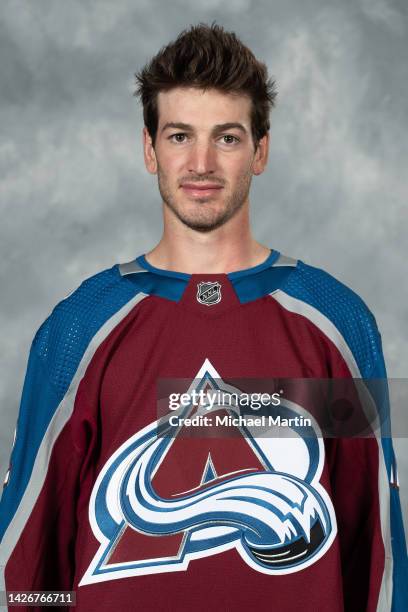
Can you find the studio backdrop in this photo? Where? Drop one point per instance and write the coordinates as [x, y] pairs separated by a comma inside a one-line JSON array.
[[75, 195]]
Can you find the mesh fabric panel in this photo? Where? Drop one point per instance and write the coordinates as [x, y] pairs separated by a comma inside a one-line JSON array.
[[343, 307], [64, 336]]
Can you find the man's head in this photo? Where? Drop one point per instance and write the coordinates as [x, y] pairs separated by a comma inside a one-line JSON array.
[[206, 103]]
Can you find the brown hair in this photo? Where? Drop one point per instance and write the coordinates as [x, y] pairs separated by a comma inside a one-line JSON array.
[[207, 57]]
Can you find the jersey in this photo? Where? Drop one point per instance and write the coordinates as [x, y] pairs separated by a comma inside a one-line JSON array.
[[101, 501]]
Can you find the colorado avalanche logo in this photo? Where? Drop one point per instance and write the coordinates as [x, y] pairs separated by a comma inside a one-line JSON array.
[[153, 511]]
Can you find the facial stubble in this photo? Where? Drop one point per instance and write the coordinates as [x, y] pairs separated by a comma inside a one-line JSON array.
[[201, 219]]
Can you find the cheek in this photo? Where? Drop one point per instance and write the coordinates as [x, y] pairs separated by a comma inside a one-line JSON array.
[[171, 165], [239, 169]]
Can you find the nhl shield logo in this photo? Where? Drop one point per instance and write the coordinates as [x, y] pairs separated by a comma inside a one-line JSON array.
[[208, 293]]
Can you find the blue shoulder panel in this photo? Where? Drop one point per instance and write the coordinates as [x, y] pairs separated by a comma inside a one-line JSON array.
[[343, 307]]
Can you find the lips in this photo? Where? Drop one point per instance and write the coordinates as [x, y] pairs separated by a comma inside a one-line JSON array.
[[201, 189], [201, 186]]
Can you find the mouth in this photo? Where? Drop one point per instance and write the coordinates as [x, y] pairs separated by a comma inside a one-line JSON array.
[[201, 191]]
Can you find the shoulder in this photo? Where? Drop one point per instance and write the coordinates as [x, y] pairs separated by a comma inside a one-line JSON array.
[[336, 309], [324, 291], [64, 336]]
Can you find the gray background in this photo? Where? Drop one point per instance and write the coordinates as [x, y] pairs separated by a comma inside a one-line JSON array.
[[75, 197]]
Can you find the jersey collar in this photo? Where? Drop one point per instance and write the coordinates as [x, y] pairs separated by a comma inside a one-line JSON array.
[[269, 261]]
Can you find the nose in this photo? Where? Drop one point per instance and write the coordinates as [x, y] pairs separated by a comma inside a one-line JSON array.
[[202, 158]]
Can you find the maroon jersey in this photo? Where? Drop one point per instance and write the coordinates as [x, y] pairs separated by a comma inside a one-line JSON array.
[[134, 503]]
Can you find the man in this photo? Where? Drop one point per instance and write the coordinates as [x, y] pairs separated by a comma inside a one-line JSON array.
[[116, 500]]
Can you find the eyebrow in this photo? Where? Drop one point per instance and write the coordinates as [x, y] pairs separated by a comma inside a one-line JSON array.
[[220, 127]]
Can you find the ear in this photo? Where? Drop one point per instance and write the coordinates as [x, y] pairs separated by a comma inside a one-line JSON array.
[[149, 152], [261, 155]]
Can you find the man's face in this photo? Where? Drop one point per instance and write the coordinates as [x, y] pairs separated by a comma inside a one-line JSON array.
[[204, 155]]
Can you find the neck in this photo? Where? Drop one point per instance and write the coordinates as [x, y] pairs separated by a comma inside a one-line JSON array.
[[226, 249]]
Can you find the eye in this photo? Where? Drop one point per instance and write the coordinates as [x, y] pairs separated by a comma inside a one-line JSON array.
[[179, 137], [229, 139]]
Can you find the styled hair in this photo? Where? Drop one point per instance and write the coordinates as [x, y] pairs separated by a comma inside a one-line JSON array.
[[207, 57]]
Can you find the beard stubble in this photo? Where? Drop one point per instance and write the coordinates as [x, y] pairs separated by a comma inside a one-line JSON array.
[[202, 218]]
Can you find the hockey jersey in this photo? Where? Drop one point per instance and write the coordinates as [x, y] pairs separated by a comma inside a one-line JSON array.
[[100, 501]]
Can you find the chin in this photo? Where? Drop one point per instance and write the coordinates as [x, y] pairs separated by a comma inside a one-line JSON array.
[[204, 228], [201, 215], [202, 223]]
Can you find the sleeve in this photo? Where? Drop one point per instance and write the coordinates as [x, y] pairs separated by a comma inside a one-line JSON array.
[[40, 501], [37, 507], [367, 504], [392, 504]]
